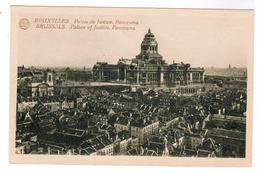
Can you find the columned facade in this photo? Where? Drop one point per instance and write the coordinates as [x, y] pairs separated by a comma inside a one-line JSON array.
[[148, 68]]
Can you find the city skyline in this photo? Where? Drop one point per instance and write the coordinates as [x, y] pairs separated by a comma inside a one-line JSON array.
[[216, 38]]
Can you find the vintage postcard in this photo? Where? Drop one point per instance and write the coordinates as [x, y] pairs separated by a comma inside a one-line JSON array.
[[131, 86]]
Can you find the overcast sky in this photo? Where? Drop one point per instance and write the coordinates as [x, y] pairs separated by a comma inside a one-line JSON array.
[[203, 38]]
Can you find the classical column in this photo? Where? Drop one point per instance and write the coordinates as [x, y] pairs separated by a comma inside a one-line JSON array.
[[191, 77], [118, 75], [203, 77], [137, 77], [125, 75], [161, 79]]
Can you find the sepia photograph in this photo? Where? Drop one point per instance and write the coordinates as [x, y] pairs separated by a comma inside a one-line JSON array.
[[131, 86]]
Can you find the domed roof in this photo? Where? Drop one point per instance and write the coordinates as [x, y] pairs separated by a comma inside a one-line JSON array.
[[149, 39], [149, 34], [149, 47]]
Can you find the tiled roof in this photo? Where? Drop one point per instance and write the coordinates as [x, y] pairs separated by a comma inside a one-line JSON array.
[[150, 153], [88, 150], [122, 120], [71, 132], [85, 145], [227, 134], [203, 153], [133, 152]]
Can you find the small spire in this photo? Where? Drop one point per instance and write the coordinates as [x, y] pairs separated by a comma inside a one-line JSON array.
[[149, 31]]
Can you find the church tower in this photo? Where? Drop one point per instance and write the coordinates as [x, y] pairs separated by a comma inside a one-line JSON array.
[[49, 77]]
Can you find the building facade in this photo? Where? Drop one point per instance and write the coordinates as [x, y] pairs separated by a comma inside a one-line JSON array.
[[35, 83], [148, 68], [144, 130], [43, 88]]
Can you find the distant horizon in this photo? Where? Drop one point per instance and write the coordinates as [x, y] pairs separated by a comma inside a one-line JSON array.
[[202, 38], [40, 66]]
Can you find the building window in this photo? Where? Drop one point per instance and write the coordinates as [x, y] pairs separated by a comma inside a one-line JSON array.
[[49, 78]]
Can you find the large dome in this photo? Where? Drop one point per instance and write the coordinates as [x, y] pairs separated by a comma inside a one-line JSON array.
[[149, 47], [149, 34], [149, 39]]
